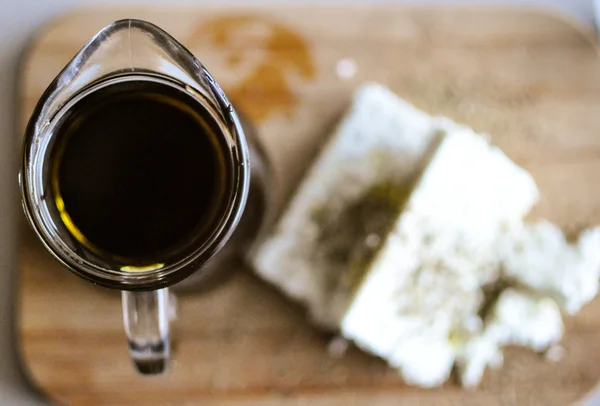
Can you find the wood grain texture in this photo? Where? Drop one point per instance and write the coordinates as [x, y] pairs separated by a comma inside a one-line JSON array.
[[530, 79]]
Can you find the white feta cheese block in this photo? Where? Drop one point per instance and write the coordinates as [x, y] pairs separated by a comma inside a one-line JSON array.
[[539, 257], [518, 317], [314, 254], [424, 284]]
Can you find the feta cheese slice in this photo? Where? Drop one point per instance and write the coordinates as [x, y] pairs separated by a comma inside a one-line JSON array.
[[425, 282], [341, 211]]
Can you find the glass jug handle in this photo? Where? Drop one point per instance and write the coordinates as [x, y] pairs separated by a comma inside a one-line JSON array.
[[146, 319]]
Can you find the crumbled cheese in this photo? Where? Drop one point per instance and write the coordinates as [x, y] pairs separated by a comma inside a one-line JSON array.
[[539, 257], [517, 318]]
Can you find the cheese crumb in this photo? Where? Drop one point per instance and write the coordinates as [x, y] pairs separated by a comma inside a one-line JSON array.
[[555, 353]]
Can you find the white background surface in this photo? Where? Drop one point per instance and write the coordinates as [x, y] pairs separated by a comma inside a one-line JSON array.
[[18, 21]]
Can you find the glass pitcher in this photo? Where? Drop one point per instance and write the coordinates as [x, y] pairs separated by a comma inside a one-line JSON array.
[[136, 171]]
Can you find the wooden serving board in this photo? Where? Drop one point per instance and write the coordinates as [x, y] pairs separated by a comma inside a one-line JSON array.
[[529, 78]]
